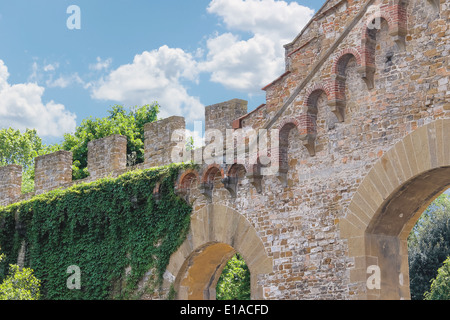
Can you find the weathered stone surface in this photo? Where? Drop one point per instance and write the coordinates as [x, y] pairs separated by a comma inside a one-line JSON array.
[[364, 130], [53, 171], [107, 155], [10, 183]]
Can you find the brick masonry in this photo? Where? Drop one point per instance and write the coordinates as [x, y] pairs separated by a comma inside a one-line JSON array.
[[363, 115]]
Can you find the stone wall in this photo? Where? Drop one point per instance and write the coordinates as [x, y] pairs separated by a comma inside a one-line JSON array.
[[10, 183], [221, 115], [158, 141], [361, 79], [106, 155], [360, 96]]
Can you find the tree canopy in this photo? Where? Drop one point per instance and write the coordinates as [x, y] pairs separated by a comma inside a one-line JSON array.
[[21, 148], [234, 283], [429, 245], [20, 284], [440, 286], [128, 123]]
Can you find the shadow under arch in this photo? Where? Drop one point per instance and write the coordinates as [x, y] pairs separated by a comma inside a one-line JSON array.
[[388, 203], [217, 232]]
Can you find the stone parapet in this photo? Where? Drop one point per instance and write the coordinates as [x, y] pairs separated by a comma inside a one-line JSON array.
[[107, 155], [158, 142], [53, 171]]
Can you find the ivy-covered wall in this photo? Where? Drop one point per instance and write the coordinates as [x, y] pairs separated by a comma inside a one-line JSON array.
[[104, 227]]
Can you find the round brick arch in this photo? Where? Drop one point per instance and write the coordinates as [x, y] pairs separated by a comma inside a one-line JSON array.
[[217, 233], [386, 206]]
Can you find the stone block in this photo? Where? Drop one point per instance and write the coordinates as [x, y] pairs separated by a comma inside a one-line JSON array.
[[10, 183], [53, 171], [160, 139], [107, 155]]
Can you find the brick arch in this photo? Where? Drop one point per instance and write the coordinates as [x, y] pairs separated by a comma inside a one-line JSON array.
[[368, 40], [186, 177], [313, 92], [338, 102], [184, 183], [234, 169], [394, 14], [341, 59], [210, 172], [217, 232], [387, 204], [283, 145], [234, 173], [306, 126], [396, 18], [331, 91], [368, 23]]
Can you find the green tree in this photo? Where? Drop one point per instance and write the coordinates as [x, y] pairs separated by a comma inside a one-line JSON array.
[[440, 286], [20, 284], [234, 283], [21, 148], [429, 245], [130, 124]]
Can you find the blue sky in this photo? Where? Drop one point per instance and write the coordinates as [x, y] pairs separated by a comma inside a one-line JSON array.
[[184, 54]]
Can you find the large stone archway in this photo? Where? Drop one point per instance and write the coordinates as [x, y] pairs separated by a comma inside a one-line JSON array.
[[388, 203], [216, 234]]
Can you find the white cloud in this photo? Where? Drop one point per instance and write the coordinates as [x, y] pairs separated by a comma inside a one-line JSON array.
[[242, 65], [236, 63], [279, 19], [51, 67], [154, 76], [34, 75], [248, 65], [21, 107], [100, 64], [64, 81]]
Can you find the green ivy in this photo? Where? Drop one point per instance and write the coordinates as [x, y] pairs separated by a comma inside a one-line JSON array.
[[104, 227]]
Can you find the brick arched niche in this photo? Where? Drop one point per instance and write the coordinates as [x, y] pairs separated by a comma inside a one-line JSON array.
[[388, 203], [217, 232]]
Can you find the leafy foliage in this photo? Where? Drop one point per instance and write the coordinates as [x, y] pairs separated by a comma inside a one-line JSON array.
[[21, 148], [440, 286], [130, 124], [19, 284], [102, 227], [429, 245], [234, 283]]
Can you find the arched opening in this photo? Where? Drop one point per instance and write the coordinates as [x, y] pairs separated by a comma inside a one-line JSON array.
[[386, 206], [385, 55], [203, 271], [326, 121], [217, 233], [388, 231], [186, 184], [350, 90], [211, 180], [285, 132], [356, 92], [234, 177]]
